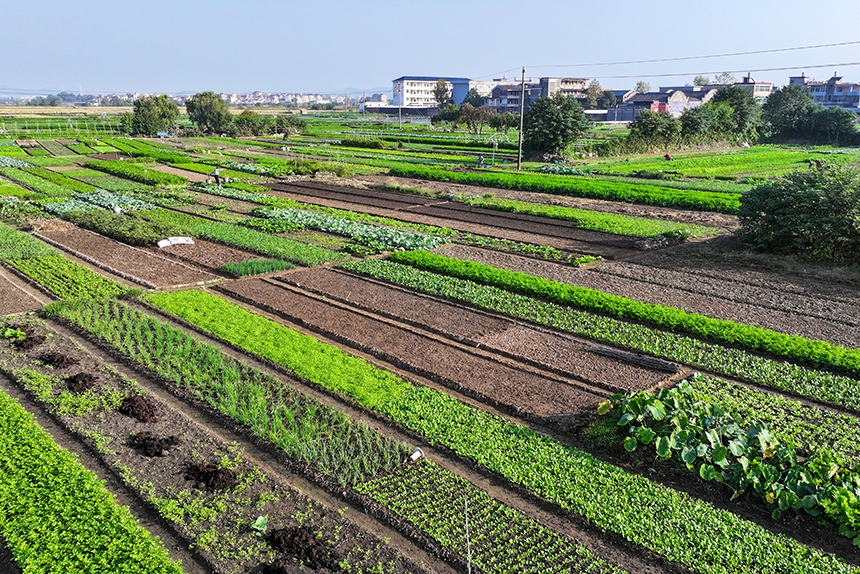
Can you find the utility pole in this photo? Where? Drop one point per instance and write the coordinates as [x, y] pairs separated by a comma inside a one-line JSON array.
[[522, 109]]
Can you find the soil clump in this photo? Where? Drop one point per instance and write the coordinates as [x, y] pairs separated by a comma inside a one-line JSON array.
[[140, 408]]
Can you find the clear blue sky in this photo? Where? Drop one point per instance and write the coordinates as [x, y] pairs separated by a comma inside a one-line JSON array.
[[327, 46]]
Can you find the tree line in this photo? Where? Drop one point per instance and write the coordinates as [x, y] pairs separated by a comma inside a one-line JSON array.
[[209, 114]]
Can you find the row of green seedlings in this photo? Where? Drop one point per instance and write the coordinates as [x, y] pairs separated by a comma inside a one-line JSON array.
[[37, 184], [786, 376], [44, 265], [815, 353], [228, 523], [460, 516], [140, 173], [665, 521], [256, 194], [326, 440], [57, 516], [748, 459], [586, 187]]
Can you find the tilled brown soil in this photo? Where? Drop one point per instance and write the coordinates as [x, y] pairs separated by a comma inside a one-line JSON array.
[[137, 265], [555, 351], [13, 299], [527, 393], [204, 254], [732, 301]]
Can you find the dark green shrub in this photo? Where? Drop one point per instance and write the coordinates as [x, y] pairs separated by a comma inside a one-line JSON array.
[[816, 212]]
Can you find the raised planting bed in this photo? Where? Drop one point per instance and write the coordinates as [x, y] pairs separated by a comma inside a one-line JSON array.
[[550, 351], [134, 264], [553, 401], [786, 376]]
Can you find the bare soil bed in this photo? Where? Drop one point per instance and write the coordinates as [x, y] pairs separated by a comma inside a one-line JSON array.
[[134, 264], [553, 351], [192, 176], [548, 400], [13, 299], [442, 213], [769, 309], [204, 254]]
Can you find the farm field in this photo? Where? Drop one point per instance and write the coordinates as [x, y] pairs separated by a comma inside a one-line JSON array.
[[255, 396]]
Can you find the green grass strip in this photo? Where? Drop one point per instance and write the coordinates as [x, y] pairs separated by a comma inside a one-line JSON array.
[[816, 353], [56, 516], [34, 182], [61, 179], [595, 220], [266, 244], [671, 523], [256, 266], [582, 187]]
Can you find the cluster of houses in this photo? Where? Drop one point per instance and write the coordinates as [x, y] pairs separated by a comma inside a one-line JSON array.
[[414, 95]]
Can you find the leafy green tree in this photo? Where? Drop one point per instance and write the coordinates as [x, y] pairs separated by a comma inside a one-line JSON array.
[[643, 87], [788, 113], [473, 98], [701, 80], [153, 114], [475, 118], [209, 112], [593, 93], [504, 122], [125, 122], [745, 118], [551, 124], [697, 124], [835, 126], [441, 94], [607, 100], [449, 115], [250, 123], [725, 78], [288, 125], [655, 128], [814, 212]]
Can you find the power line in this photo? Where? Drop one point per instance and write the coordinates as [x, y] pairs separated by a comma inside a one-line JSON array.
[[683, 58], [704, 57], [843, 64]]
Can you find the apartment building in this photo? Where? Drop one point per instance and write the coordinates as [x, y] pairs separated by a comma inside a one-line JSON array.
[[832, 93]]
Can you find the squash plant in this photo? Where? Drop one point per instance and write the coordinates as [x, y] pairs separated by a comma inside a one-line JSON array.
[[747, 458]]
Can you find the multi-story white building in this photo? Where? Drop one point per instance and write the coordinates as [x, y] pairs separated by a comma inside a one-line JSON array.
[[417, 91]]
